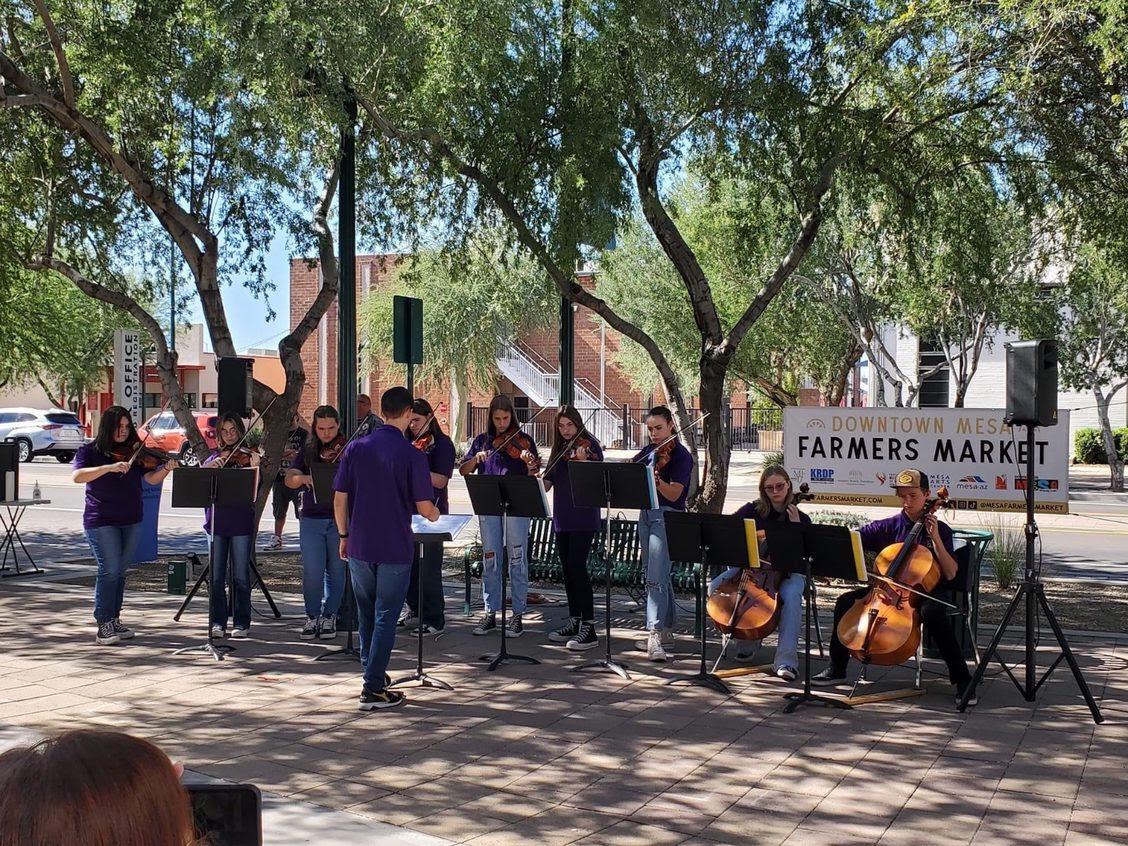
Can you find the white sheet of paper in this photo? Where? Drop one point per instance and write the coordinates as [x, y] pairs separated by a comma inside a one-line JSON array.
[[453, 523]]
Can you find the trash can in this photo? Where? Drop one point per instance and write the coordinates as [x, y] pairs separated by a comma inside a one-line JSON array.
[[151, 505]]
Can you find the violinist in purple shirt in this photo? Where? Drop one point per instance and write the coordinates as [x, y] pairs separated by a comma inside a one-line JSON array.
[[232, 529], [503, 449], [575, 527], [111, 517]]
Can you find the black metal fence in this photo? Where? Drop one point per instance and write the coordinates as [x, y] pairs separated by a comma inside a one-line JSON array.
[[749, 428]]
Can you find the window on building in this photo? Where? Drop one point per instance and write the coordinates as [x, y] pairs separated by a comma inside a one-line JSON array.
[[153, 400], [933, 388], [210, 401], [190, 400]]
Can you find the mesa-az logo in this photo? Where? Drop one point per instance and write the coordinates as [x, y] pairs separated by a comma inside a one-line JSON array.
[[972, 482]]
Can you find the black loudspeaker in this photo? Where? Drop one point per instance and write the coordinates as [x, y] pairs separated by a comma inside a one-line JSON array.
[[236, 380], [1032, 383]]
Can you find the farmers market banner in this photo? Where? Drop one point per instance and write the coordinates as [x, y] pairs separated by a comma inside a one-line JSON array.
[[850, 456]]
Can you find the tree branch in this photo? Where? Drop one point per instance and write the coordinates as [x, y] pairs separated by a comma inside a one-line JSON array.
[[57, 48]]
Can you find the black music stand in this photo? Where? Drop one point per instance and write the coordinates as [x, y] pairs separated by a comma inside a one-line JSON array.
[[607, 484], [506, 496], [814, 550], [425, 533], [711, 539], [207, 487]]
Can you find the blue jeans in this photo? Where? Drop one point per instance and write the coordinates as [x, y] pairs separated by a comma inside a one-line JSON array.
[[790, 616], [323, 570], [239, 549], [112, 547], [661, 611], [380, 590], [516, 540]]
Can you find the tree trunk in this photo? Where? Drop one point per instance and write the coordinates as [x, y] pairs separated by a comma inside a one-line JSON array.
[[711, 497], [459, 393], [1115, 465]]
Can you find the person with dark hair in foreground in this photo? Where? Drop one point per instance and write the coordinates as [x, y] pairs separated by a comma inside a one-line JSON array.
[[381, 481], [93, 788]]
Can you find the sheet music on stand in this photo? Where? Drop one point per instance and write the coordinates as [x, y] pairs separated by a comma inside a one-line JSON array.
[[447, 524]]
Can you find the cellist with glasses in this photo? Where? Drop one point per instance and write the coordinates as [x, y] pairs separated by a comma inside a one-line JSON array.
[[912, 489], [775, 503]]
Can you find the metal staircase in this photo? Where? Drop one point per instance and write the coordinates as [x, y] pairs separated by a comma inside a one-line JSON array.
[[541, 383]]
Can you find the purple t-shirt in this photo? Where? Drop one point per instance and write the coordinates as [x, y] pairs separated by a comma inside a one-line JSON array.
[[880, 533], [310, 507], [231, 521], [113, 499], [566, 515], [500, 463], [441, 460], [384, 476], [678, 469]]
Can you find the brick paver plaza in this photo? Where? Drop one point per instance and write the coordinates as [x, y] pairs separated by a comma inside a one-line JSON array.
[[544, 756]]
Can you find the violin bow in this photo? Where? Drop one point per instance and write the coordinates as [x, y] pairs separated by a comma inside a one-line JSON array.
[[250, 426], [568, 445], [672, 436]]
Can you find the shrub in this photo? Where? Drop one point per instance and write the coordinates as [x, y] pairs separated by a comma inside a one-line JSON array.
[[839, 518], [1088, 446], [1006, 553], [773, 458]]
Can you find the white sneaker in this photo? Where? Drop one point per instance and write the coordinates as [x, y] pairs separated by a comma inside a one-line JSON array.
[[274, 543], [217, 632], [239, 633], [654, 650], [666, 636]]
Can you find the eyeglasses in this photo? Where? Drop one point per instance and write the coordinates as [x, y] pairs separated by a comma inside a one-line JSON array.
[[782, 486]]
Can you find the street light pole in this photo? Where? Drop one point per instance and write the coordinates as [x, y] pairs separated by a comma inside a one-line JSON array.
[[346, 264]]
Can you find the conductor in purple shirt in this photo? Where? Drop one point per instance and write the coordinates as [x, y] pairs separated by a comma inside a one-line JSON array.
[[382, 480]]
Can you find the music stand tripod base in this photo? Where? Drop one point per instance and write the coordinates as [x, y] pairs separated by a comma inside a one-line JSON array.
[[420, 675], [216, 650]]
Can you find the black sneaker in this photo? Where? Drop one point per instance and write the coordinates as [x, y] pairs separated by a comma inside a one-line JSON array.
[[585, 638], [960, 688], [327, 627], [566, 632], [123, 631], [486, 624], [828, 678], [309, 630], [107, 636], [373, 701], [514, 628]]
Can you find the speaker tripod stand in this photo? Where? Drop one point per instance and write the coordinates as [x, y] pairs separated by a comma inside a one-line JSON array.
[[1031, 594]]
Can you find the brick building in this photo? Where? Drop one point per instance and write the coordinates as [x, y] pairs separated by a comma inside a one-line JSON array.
[[528, 370]]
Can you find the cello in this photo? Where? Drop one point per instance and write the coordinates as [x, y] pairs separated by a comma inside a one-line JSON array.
[[883, 627], [746, 606]]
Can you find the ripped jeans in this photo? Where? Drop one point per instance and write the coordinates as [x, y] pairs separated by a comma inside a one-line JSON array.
[[661, 611], [516, 542]]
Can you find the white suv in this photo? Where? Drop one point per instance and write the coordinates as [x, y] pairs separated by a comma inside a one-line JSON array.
[[52, 432]]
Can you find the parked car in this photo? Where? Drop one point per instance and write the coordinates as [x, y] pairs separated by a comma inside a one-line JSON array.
[[37, 432], [163, 431]]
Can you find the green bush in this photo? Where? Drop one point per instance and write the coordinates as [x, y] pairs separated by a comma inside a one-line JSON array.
[[771, 458], [839, 518], [1088, 446], [1006, 553]]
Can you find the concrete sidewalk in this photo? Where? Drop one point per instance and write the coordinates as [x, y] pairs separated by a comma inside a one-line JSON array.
[[536, 754]]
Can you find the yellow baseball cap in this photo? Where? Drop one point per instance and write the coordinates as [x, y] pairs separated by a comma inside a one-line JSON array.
[[910, 478]]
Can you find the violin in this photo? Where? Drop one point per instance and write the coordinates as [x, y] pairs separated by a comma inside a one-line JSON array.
[[236, 456], [424, 442], [662, 455], [883, 627], [330, 452], [147, 457], [515, 445]]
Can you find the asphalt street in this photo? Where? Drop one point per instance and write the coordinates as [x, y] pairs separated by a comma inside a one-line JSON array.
[[1089, 543]]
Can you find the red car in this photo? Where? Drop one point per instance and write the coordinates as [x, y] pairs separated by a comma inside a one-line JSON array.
[[164, 432]]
